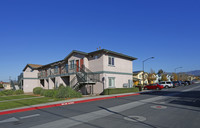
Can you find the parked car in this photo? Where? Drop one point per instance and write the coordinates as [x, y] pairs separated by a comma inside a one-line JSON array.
[[188, 82], [182, 83], [196, 81], [166, 84], [154, 86], [176, 84]]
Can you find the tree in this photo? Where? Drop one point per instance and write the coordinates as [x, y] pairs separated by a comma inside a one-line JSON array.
[[152, 71], [151, 77], [164, 77], [175, 77], [160, 71], [1, 85]]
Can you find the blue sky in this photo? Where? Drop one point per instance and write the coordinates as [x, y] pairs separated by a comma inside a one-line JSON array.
[[44, 31]]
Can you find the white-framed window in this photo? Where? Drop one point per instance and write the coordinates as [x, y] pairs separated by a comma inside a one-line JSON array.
[[111, 61], [72, 66], [111, 82]]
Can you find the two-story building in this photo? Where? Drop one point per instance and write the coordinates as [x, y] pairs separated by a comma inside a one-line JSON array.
[[138, 78], [90, 73]]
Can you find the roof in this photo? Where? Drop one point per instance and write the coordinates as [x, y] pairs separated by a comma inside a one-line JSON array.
[[36, 66], [75, 51], [50, 64], [136, 72], [114, 53], [33, 66]]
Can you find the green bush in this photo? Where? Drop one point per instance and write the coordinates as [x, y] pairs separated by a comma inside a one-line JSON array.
[[1, 94], [66, 92], [119, 90], [7, 92], [37, 90], [18, 92], [72, 93], [49, 93], [61, 86]]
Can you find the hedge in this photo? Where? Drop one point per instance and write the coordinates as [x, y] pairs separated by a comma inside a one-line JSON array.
[[37, 90], [110, 91], [61, 92], [11, 92]]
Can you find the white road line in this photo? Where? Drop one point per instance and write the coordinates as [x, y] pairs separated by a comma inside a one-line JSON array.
[[84, 118], [30, 116]]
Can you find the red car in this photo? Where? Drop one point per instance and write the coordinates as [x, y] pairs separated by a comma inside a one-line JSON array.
[[154, 86]]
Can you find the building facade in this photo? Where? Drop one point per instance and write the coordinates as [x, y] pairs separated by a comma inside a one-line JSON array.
[[89, 73], [138, 78]]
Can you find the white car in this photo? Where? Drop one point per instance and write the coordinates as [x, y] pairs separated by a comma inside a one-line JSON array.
[[166, 84]]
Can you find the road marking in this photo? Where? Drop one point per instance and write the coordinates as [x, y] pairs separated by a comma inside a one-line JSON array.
[[30, 116], [135, 118], [85, 118], [13, 119], [158, 107]]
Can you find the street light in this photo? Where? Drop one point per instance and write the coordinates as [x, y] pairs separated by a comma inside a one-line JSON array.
[[143, 68], [177, 68]]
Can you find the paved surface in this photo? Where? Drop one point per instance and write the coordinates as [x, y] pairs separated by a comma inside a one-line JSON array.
[[169, 108]]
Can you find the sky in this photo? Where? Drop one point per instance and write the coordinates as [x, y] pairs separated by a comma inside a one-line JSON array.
[[45, 31]]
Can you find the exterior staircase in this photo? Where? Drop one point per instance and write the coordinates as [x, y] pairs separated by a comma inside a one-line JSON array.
[[84, 77]]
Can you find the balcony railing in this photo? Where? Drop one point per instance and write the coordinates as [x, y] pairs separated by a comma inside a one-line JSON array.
[[60, 71]]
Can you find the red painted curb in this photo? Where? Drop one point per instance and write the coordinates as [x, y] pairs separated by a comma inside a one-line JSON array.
[[62, 104]]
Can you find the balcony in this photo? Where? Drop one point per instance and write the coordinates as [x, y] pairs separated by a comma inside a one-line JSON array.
[[63, 71]]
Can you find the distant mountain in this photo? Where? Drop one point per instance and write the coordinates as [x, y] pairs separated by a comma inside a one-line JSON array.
[[195, 73]]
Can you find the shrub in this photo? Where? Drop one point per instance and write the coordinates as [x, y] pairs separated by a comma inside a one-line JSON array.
[[7, 92], [1, 94], [72, 93], [119, 90], [18, 92], [66, 92], [61, 93], [61, 86], [37, 90], [49, 93]]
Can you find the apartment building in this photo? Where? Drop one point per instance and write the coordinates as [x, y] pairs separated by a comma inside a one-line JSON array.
[[89, 73]]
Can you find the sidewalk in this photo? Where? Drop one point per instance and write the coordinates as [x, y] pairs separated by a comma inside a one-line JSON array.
[[67, 102]]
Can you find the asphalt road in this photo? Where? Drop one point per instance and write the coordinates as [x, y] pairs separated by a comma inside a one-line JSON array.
[[169, 108]]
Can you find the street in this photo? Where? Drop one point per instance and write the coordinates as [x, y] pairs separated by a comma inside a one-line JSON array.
[[169, 108]]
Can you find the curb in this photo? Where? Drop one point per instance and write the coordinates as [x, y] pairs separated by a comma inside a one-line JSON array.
[[63, 104]]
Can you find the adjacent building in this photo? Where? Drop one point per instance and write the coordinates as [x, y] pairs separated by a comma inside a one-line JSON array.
[[138, 78], [89, 73]]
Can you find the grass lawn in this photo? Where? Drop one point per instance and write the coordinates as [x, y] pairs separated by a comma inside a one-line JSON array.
[[25, 102], [2, 98]]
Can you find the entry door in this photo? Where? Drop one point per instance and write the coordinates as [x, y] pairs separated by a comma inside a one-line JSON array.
[[81, 63], [77, 65]]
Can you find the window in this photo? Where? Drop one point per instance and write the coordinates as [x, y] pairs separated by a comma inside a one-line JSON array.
[[66, 66], [111, 81], [140, 76], [56, 69], [72, 64], [111, 61]]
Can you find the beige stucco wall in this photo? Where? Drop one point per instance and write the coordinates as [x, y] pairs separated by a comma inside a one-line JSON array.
[[30, 84], [120, 65], [96, 65], [30, 80], [119, 81]]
